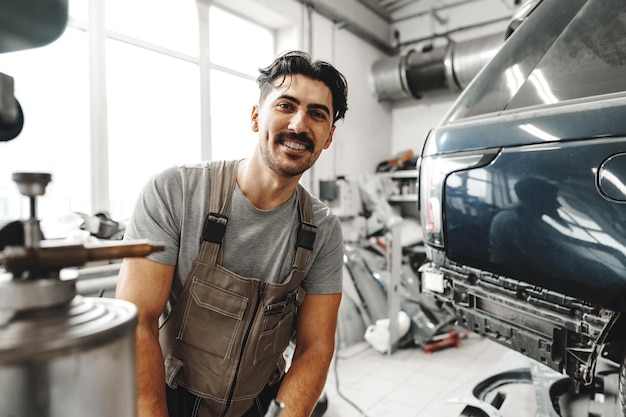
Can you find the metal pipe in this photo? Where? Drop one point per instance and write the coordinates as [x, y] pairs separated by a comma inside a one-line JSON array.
[[451, 66], [51, 258], [350, 25], [434, 9], [447, 34], [375, 7]]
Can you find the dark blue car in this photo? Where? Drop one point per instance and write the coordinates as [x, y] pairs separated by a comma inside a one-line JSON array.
[[523, 191]]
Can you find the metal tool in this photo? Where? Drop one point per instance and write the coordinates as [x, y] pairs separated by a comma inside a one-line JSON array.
[[38, 258], [275, 408]]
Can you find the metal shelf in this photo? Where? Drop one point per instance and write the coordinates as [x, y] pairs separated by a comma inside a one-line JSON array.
[[405, 184], [403, 198], [404, 173]]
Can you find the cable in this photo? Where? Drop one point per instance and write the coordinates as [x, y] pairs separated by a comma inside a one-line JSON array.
[[336, 370]]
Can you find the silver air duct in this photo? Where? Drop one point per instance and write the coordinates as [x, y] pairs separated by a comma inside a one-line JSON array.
[[451, 66]]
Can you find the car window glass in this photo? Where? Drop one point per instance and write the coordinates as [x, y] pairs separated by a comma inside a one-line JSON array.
[[588, 59], [492, 90]]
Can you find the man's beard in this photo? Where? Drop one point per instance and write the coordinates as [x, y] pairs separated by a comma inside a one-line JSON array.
[[303, 162]]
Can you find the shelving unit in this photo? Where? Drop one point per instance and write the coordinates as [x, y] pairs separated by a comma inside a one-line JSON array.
[[403, 185]]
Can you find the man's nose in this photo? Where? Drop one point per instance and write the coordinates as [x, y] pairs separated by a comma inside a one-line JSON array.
[[298, 122]]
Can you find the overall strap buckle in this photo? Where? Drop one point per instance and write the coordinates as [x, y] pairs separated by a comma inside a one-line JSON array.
[[306, 235], [214, 228]]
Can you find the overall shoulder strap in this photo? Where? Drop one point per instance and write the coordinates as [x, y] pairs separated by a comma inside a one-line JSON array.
[[223, 176], [306, 234]]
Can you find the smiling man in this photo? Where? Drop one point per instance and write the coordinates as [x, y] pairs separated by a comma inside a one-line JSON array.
[[252, 261]]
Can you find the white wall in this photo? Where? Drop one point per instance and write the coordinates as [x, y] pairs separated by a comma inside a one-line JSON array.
[[363, 138], [412, 119]]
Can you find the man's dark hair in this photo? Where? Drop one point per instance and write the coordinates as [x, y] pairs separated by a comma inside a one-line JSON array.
[[297, 62]]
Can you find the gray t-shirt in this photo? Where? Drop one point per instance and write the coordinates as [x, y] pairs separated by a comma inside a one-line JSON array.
[[172, 208]]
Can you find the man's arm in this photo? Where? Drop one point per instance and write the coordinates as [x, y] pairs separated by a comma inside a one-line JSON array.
[[147, 284], [315, 345]]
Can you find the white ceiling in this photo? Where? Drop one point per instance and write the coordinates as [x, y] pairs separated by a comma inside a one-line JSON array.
[[396, 10]]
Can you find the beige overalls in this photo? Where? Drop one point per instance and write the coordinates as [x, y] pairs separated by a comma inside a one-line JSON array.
[[225, 337]]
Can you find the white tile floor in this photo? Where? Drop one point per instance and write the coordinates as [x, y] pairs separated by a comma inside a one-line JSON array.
[[407, 383]]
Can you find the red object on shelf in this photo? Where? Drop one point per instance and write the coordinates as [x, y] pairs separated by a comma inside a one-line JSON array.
[[452, 339]]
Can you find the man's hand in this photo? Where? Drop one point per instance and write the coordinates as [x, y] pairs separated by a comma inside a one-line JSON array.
[[315, 346]]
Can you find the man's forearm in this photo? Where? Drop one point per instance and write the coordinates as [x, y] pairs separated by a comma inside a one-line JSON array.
[[150, 375], [304, 382]]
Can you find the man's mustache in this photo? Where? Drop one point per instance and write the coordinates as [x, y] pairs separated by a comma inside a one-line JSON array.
[[296, 137]]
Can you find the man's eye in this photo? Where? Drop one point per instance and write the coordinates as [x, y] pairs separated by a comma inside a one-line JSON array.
[[318, 115], [286, 106]]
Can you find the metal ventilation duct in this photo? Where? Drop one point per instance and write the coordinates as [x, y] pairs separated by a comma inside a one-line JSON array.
[[451, 66]]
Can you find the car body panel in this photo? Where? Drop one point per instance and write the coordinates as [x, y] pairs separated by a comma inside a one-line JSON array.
[[523, 190], [522, 218], [599, 118]]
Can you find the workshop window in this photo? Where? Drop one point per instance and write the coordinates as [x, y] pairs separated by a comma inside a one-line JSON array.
[[168, 24], [152, 93], [237, 48], [120, 95], [154, 90], [52, 87], [153, 107]]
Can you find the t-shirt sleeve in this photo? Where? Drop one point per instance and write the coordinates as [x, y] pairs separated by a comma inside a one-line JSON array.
[[156, 215], [326, 273]]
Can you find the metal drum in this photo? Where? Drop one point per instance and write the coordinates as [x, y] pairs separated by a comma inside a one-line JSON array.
[[75, 357]]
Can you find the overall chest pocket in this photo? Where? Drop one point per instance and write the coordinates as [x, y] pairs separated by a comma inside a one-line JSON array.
[[212, 318], [277, 329]]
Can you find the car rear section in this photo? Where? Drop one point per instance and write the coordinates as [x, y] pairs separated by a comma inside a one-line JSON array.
[[523, 191]]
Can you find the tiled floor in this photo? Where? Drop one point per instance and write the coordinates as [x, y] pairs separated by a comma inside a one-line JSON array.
[[407, 383]]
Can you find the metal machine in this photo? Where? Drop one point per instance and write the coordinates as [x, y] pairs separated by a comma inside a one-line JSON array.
[[62, 354]]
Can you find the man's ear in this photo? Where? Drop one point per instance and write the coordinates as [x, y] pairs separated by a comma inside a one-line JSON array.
[[330, 137], [254, 118]]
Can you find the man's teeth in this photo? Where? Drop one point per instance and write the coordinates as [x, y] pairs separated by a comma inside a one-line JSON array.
[[295, 145]]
